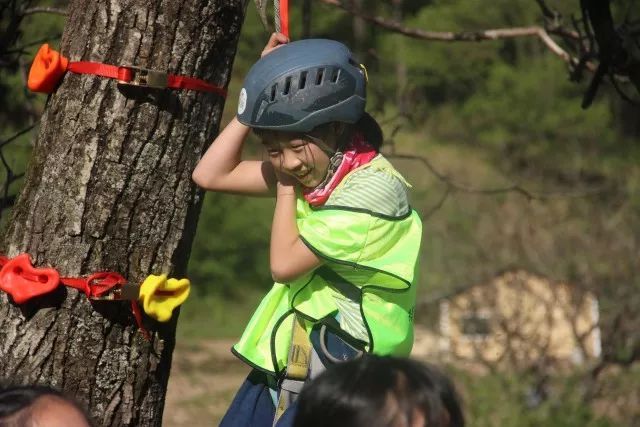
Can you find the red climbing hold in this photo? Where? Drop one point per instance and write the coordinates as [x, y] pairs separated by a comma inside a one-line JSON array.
[[20, 279]]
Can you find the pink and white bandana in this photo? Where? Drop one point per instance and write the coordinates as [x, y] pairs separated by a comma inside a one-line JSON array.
[[357, 153]]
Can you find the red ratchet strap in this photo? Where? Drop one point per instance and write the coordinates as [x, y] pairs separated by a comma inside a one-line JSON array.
[[49, 66], [23, 281], [95, 285], [284, 17], [144, 77], [135, 309], [101, 283]]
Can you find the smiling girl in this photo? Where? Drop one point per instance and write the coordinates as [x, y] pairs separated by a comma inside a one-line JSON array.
[[344, 240]]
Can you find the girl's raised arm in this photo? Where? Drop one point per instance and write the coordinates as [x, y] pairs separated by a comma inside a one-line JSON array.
[[222, 168]]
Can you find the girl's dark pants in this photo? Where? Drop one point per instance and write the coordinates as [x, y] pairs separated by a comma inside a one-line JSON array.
[[253, 406]]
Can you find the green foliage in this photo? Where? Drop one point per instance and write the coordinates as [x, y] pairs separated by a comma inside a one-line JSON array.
[[230, 249], [217, 313], [19, 106], [506, 400]]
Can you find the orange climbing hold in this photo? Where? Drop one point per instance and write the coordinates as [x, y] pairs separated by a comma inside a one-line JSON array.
[[47, 70]]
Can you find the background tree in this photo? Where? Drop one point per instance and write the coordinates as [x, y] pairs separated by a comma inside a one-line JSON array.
[[109, 188]]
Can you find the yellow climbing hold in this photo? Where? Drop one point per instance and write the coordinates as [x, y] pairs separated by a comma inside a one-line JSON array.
[[160, 296]]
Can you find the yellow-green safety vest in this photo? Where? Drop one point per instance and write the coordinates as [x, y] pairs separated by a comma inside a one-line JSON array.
[[376, 254]]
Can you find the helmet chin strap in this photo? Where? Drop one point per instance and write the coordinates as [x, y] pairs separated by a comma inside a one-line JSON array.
[[342, 139], [329, 151]]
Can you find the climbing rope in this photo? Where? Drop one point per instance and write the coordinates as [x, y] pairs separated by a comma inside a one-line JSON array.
[[281, 16]]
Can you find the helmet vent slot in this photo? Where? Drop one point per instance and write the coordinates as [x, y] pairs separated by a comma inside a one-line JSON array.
[[273, 92], [303, 80], [319, 76], [287, 86], [336, 74]]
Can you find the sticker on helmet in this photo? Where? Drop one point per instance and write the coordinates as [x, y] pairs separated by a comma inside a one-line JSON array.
[[242, 101]]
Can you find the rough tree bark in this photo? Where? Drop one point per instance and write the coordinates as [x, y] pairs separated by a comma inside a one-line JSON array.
[[109, 188]]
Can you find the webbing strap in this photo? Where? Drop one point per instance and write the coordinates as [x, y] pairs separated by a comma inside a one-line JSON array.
[[49, 67], [127, 74], [298, 363], [97, 69], [339, 283]]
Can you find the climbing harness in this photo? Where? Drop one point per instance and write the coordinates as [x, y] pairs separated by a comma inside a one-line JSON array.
[[49, 66], [308, 357], [158, 294], [298, 363]]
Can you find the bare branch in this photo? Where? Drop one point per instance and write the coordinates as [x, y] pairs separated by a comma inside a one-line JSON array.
[[17, 135], [547, 11], [44, 9], [436, 207], [469, 36], [514, 188], [21, 49]]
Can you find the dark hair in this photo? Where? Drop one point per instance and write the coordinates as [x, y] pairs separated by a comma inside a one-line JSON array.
[[16, 399], [376, 391], [371, 130]]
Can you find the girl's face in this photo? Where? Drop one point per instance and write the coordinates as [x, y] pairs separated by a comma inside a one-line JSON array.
[[299, 156]]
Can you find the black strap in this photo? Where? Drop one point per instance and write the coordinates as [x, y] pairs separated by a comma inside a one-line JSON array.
[[342, 285]]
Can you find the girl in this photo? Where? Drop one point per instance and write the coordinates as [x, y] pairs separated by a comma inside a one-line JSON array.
[[344, 241]]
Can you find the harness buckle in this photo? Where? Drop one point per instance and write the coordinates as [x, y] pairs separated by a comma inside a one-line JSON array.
[[144, 77]]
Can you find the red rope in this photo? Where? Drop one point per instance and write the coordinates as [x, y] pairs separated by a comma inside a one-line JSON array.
[[137, 313]]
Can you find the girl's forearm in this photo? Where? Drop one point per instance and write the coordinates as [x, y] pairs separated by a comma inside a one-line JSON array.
[[223, 155], [222, 168], [289, 256]]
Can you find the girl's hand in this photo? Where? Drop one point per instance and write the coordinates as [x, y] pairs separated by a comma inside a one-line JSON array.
[[286, 183], [275, 41]]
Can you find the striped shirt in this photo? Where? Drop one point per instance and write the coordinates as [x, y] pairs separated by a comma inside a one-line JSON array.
[[381, 192]]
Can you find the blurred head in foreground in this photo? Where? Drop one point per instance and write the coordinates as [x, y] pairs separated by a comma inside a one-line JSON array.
[[38, 406], [378, 391]]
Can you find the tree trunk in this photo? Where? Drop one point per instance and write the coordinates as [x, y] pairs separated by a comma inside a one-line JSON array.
[[109, 188]]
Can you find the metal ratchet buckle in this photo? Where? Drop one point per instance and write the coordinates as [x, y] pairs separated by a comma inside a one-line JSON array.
[[145, 77], [125, 292]]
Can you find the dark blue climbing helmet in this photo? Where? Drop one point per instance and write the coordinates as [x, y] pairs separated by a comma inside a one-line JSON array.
[[301, 85]]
